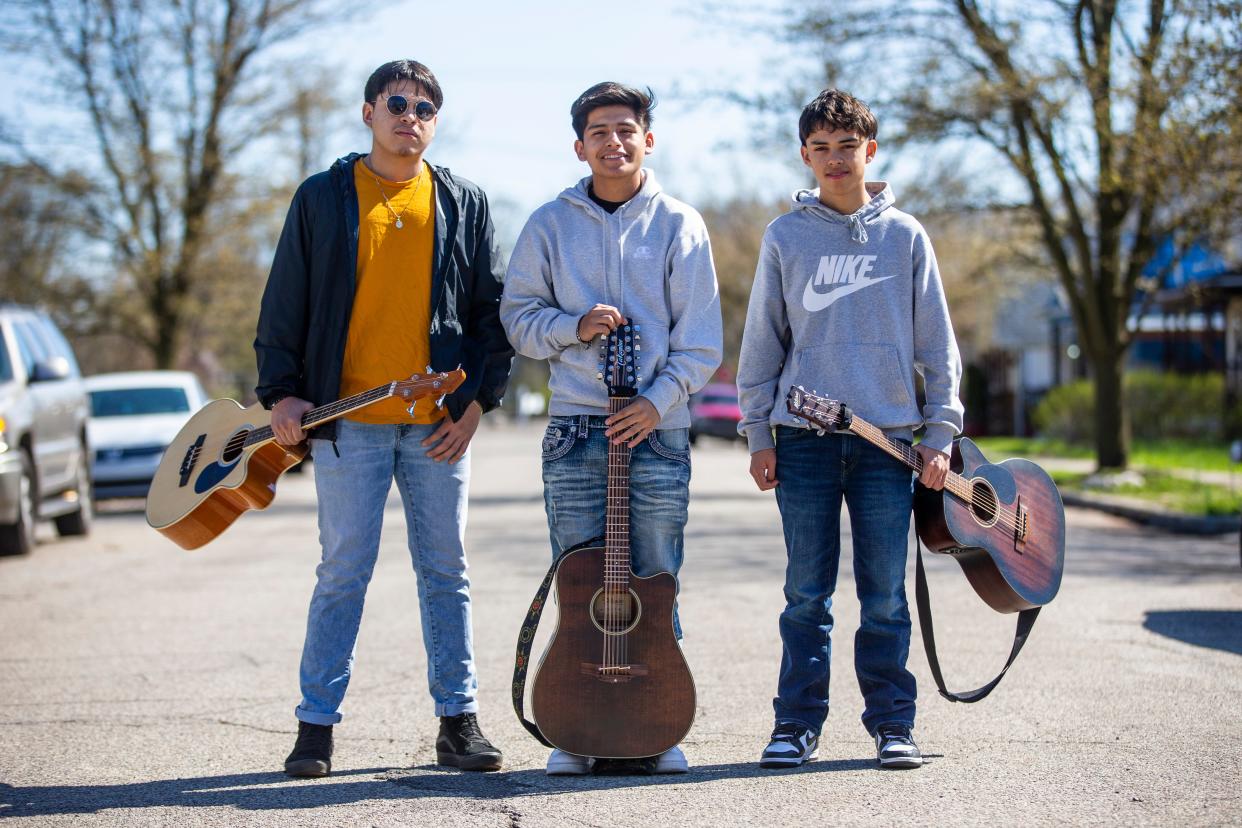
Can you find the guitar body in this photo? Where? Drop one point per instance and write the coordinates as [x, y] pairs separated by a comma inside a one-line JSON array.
[[1009, 573], [203, 483], [582, 710]]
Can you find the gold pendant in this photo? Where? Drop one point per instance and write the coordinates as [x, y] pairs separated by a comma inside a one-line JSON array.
[[399, 224]]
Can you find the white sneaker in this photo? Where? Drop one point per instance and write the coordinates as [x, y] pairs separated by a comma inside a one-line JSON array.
[[561, 763], [672, 761]]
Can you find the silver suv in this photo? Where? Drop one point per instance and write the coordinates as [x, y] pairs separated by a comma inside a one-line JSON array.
[[44, 456]]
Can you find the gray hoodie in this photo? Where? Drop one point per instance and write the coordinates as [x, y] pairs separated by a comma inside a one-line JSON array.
[[651, 260], [851, 307]]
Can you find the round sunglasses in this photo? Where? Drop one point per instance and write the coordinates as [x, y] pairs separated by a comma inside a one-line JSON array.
[[398, 104]]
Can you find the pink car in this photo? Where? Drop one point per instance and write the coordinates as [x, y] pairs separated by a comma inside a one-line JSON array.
[[714, 411]]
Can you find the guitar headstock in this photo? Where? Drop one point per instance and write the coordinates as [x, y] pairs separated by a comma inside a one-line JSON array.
[[428, 384], [821, 412], [618, 360]]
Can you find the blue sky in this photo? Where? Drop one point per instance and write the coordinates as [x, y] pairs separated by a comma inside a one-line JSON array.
[[511, 70]]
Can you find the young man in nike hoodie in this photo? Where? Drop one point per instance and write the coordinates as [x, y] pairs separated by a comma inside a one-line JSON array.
[[616, 247], [847, 300]]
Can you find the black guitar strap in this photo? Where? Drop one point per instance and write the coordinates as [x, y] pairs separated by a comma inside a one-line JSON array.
[[1026, 620], [526, 638]]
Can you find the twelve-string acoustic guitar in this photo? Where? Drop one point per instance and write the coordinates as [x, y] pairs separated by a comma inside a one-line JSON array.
[[613, 682], [225, 460]]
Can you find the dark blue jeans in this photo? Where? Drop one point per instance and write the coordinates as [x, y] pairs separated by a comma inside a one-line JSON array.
[[815, 473]]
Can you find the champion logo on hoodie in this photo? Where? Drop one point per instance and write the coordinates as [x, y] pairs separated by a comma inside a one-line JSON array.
[[843, 275]]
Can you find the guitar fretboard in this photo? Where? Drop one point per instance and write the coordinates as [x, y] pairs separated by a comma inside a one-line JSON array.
[[617, 520], [324, 413]]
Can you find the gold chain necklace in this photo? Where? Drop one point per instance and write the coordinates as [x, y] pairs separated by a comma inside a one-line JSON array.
[[417, 184]]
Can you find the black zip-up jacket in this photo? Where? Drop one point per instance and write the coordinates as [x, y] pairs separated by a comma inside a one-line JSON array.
[[304, 317]]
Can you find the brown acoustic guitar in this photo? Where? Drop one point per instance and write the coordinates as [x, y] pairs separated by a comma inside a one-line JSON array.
[[225, 460], [1004, 523], [613, 682]]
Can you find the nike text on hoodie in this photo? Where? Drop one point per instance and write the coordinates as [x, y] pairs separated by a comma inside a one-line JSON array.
[[651, 260], [851, 307]]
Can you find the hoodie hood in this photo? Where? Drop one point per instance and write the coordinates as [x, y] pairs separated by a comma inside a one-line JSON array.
[[881, 199], [581, 196]]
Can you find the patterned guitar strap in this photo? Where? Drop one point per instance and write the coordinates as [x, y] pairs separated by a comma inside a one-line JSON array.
[[1026, 620], [526, 638]]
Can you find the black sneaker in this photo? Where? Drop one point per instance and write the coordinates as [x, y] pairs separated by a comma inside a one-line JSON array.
[[895, 747], [462, 745], [791, 745], [312, 753]]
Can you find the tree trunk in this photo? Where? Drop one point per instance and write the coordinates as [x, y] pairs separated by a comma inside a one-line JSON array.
[[1112, 417]]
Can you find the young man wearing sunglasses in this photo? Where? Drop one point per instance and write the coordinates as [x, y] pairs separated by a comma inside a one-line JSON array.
[[386, 267], [616, 246]]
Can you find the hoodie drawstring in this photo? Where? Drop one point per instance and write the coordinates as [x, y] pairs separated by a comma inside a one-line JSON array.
[[858, 232]]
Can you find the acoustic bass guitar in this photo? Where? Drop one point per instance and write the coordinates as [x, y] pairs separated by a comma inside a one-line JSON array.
[[225, 460], [613, 682]]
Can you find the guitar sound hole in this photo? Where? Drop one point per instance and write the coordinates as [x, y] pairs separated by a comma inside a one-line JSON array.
[[233, 448], [615, 614], [983, 504]]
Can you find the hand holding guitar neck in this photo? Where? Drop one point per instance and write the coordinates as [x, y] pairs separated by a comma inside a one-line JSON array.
[[287, 420]]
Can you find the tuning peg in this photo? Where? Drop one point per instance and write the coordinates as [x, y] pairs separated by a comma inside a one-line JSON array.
[[638, 327], [410, 409]]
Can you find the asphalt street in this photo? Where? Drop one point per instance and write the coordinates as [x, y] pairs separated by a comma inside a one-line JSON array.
[[146, 685]]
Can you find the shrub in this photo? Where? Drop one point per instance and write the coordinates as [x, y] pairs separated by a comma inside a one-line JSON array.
[[1162, 406]]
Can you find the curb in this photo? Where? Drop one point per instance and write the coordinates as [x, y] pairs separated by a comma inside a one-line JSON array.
[[1153, 515]]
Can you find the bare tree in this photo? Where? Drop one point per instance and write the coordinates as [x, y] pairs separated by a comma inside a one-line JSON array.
[[173, 92], [1119, 120]]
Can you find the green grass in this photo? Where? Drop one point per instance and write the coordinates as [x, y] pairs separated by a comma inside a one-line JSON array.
[[1176, 493], [1164, 454]]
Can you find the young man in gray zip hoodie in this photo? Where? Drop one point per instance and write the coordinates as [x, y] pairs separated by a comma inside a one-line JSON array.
[[615, 247], [847, 300]]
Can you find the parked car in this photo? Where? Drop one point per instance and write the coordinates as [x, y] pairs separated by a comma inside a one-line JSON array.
[[134, 416], [714, 411], [44, 449]]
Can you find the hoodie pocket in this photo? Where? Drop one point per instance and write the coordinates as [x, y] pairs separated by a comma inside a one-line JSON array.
[[866, 377]]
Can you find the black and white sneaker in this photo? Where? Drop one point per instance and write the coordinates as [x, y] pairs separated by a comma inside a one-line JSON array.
[[791, 745], [895, 747]]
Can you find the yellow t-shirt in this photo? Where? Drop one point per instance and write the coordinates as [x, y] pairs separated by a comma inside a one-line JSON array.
[[389, 328]]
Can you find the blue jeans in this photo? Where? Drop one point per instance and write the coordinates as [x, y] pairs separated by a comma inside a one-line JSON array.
[[815, 472], [575, 491], [353, 480]]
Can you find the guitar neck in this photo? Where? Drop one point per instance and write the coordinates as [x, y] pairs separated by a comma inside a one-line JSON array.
[[331, 411], [954, 483], [617, 521]]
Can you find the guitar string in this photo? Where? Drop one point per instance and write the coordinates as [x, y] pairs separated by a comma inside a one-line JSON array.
[[328, 411], [961, 487]]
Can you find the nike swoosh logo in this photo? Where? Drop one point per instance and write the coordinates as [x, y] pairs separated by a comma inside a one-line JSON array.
[[815, 301]]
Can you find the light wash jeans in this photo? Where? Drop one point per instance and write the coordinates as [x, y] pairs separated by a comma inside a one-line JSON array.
[[353, 480], [575, 492], [815, 473]]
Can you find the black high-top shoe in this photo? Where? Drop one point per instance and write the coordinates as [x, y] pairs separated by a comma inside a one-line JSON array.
[[462, 745], [312, 753]]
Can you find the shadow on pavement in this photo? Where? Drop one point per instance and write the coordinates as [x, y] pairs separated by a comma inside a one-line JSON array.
[[275, 791], [1217, 629]]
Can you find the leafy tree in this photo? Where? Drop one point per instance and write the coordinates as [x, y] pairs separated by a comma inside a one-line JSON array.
[[1119, 122]]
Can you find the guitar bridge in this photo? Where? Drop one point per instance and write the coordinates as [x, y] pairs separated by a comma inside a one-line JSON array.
[[613, 673], [1022, 525], [190, 460]]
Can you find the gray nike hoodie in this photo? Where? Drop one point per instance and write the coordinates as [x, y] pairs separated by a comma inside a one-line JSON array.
[[851, 307], [651, 259]]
